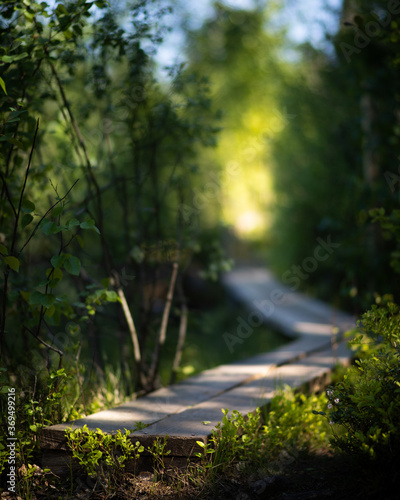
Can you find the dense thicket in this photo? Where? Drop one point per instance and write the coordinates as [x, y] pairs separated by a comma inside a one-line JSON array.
[[98, 167], [338, 159]]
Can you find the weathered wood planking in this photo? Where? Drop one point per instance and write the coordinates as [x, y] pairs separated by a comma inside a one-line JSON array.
[[181, 410], [289, 311], [187, 427], [183, 429], [190, 392]]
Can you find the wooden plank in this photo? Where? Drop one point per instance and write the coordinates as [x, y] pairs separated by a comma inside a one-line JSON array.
[[185, 428], [180, 410], [290, 311], [178, 397]]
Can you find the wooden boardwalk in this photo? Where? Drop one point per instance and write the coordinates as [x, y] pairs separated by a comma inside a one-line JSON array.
[[187, 411]]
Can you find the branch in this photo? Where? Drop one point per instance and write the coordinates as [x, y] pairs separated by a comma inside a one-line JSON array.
[[181, 335], [164, 323], [13, 241], [93, 179], [78, 376], [48, 211], [8, 193], [14, 237], [132, 331], [58, 351]]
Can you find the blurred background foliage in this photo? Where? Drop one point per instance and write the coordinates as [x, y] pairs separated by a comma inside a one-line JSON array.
[[253, 149]]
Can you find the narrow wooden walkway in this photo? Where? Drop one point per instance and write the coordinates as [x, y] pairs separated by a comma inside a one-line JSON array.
[[187, 412]]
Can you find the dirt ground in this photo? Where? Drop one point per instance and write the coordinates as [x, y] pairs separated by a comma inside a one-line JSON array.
[[319, 476]]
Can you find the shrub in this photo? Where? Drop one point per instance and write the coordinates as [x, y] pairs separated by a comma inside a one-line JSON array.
[[273, 440], [103, 455], [364, 409]]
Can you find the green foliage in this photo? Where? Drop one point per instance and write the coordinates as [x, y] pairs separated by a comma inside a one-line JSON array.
[[364, 409], [338, 159], [211, 255], [103, 455], [289, 427], [236, 439], [239, 50], [390, 224], [158, 451], [291, 422], [35, 408], [80, 102]]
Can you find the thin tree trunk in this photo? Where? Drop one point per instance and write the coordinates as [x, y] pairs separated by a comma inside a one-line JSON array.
[[163, 328], [132, 330], [181, 335]]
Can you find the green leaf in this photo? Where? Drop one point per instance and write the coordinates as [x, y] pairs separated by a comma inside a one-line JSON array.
[[50, 311], [55, 276], [57, 211], [72, 265], [77, 29], [5, 137], [80, 241], [66, 32], [16, 142], [58, 229], [14, 112], [61, 9], [57, 260], [10, 59], [111, 296], [72, 223], [105, 282], [3, 85], [13, 262], [42, 299], [48, 227], [48, 299], [27, 206], [4, 251], [26, 219], [89, 224]]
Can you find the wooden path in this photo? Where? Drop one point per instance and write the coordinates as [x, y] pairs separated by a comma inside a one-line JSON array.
[[187, 412]]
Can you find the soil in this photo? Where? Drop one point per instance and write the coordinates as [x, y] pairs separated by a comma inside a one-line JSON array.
[[319, 476]]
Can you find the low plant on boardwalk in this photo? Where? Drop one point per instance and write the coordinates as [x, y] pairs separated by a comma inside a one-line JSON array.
[[103, 456], [27, 413], [270, 441], [236, 440], [158, 452]]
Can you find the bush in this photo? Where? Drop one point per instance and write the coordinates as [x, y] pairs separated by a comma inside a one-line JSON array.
[[274, 440], [364, 409]]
